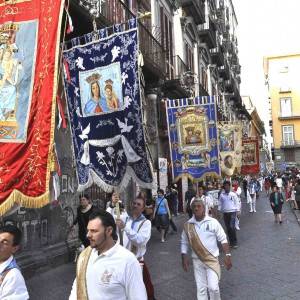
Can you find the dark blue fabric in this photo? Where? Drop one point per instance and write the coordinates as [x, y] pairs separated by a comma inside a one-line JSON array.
[[106, 164], [186, 162]]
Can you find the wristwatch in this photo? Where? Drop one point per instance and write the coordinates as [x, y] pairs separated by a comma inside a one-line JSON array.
[[228, 254]]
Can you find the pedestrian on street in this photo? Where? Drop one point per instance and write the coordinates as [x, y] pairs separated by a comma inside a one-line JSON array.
[[136, 230], [162, 214], [253, 188], [189, 195], [105, 269], [238, 191], [276, 201], [245, 186], [84, 210], [297, 192], [202, 234], [229, 207], [12, 283], [267, 185]]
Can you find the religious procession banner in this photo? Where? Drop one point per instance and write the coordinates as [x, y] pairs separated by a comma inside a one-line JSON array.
[[230, 146], [250, 156], [29, 47], [103, 96], [193, 138]]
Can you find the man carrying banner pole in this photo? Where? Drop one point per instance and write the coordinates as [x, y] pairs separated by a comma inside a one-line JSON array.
[[201, 233]]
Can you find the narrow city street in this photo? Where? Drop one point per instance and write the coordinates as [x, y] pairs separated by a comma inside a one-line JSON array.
[[265, 266]]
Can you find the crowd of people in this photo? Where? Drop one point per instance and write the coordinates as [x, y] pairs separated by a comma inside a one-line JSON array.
[[114, 241]]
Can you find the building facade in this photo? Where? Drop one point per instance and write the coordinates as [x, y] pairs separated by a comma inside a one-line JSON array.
[[189, 48], [282, 73], [256, 128]]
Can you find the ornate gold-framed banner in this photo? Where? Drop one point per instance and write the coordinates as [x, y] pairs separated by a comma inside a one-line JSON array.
[[193, 137], [250, 156], [230, 146]]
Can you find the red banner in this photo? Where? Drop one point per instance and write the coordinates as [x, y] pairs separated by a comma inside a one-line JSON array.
[[29, 47], [250, 156]]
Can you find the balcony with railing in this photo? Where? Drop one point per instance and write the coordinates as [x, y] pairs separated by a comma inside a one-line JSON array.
[[224, 71], [208, 34], [116, 12], [289, 115], [290, 143], [217, 55], [194, 9], [177, 75]]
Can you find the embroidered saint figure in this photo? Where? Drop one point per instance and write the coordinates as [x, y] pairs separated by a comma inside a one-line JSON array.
[[97, 103], [111, 97]]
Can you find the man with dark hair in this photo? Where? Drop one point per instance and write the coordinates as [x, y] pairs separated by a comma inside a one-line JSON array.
[[136, 230], [229, 206], [12, 284], [106, 270], [83, 212]]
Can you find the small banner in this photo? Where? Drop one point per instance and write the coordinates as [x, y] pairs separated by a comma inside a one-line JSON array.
[[250, 156], [103, 96], [230, 146], [193, 138], [29, 47]]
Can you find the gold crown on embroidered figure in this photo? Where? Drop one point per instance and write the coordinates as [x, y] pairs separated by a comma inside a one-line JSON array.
[[9, 27], [93, 78]]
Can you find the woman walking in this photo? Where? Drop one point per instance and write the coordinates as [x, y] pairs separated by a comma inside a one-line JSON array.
[[162, 215], [276, 201]]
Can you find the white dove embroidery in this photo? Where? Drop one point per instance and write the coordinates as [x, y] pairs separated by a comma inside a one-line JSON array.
[[79, 63], [85, 132], [124, 127], [124, 77], [115, 52]]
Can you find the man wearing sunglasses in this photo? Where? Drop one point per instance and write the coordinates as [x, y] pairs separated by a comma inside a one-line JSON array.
[[136, 233]]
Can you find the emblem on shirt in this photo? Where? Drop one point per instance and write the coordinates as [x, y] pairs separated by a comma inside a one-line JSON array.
[[106, 276]]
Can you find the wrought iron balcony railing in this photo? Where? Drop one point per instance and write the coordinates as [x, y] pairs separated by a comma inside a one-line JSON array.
[[116, 12], [290, 143]]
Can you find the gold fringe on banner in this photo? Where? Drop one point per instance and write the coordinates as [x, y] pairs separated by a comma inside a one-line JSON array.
[[18, 198]]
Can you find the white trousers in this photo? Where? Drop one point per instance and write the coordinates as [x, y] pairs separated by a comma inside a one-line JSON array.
[[206, 279], [252, 203]]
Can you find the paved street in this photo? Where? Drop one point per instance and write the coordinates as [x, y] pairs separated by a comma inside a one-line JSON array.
[[266, 265]]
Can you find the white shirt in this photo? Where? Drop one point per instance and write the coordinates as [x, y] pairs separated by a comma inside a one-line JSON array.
[[113, 275], [138, 237], [209, 231], [13, 286], [238, 192], [228, 202], [279, 182]]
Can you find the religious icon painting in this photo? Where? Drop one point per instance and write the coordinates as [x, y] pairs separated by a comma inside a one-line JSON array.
[[18, 43], [193, 138], [230, 144], [192, 129], [101, 90], [250, 156]]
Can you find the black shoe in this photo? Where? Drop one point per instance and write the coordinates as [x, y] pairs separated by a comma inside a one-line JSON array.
[[280, 222]]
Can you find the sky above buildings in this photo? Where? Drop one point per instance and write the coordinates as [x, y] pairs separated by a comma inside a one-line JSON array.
[[265, 27]]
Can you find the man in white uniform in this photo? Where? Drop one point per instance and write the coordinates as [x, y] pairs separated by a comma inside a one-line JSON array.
[[106, 270], [201, 233], [12, 284], [136, 231]]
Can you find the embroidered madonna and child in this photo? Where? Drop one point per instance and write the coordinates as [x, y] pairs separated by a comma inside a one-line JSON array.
[[103, 98]]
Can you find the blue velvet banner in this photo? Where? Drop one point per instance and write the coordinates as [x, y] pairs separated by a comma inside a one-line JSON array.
[[103, 96], [193, 138]]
